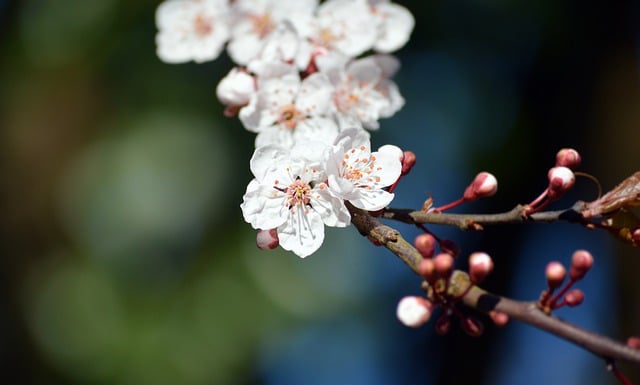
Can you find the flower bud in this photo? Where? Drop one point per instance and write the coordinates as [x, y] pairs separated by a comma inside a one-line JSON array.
[[483, 185], [267, 239], [574, 297], [555, 273], [472, 326], [408, 161], [443, 264], [635, 236], [414, 311], [499, 318], [561, 180], [450, 247], [427, 269], [581, 262], [236, 88], [633, 342], [443, 324], [568, 157], [425, 244], [480, 266]]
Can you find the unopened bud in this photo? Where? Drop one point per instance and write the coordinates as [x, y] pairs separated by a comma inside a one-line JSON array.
[[634, 342], [581, 262], [443, 324], [480, 266], [443, 264], [236, 88], [568, 157], [635, 236], [555, 273], [450, 247], [414, 311], [427, 269], [425, 244], [561, 180], [574, 297], [472, 326], [499, 318], [483, 185], [267, 239], [408, 161]]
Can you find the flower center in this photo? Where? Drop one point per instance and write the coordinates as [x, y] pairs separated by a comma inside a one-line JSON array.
[[290, 116], [262, 24], [298, 193], [203, 25]]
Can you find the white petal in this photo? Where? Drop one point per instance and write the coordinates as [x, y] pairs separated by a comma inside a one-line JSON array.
[[388, 165], [302, 233], [331, 208], [314, 97], [397, 24], [372, 200], [265, 158], [263, 207]]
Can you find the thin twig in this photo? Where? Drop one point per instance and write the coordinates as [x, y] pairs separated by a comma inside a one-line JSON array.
[[477, 298]]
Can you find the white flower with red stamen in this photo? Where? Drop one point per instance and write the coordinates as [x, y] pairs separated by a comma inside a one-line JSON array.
[[357, 175], [287, 111], [191, 30], [255, 20], [363, 93], [289, 194]]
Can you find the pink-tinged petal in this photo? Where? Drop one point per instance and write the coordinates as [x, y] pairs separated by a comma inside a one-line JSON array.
[[302, 233], [236, 88]]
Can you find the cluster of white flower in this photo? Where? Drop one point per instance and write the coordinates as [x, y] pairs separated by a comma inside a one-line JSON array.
[[303, 86]]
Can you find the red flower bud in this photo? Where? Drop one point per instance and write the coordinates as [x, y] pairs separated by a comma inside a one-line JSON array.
[[574, 297], [427, 269], [555, 273], [443, 264], [472, 326], [267, 239], [443, 324], [480, 266], [425, 244], [581, 262], [634, 342], [499, 318], [568, 157], [561, 180], [408, 161], [483, 185]]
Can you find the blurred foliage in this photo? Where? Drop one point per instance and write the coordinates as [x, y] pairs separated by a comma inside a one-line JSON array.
[[124, 256]]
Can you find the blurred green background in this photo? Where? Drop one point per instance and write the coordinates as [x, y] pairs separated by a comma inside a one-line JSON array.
[[125, 259]]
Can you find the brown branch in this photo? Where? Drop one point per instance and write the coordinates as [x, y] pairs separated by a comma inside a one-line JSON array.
[[477, 298], [477, 221]]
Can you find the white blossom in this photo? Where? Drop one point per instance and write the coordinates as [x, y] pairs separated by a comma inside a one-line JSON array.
[[288, 111], [255, 20], [289, 194], [357, 175], [191, 30], [364, 93]]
